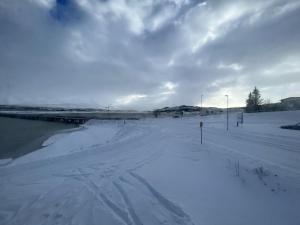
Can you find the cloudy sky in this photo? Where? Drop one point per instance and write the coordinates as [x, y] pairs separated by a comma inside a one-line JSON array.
[[147, 54]]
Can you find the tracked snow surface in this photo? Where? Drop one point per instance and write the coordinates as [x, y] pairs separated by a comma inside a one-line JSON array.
[[155, 171]]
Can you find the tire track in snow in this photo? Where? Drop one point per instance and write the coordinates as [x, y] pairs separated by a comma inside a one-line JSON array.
[[152, 208], [23, 208], [47, 208], [170, 206], [131, 210], [95, 190], [116, 210]]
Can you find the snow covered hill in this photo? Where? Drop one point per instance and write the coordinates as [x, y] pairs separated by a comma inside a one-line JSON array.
[[155, 171]]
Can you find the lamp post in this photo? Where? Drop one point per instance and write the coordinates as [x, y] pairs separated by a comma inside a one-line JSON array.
[[227, 113]]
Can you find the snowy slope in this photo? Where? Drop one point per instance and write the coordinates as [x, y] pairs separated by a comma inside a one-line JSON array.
[[86, 137], [156, 171]]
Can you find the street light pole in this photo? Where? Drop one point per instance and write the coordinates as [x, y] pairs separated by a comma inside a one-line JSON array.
[[227, 112]]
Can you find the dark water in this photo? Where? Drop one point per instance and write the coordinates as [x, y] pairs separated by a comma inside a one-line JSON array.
[[19, 137]]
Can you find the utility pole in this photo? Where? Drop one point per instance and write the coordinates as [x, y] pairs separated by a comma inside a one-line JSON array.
[[227, 113]]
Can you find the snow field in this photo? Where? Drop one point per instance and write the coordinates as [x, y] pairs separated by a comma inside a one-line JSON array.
[[155, 171]]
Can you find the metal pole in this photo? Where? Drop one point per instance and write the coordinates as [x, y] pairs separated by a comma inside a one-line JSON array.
[[201, 102], [201, 135], [201, 125], [201, 110], [227, 113]]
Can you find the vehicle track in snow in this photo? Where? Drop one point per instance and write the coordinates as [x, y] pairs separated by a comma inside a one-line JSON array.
[[107, 187]]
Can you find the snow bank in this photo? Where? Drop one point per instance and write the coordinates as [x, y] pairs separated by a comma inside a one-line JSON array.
[[94, 133]]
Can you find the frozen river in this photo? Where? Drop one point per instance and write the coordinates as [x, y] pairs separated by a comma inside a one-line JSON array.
[[19, 137]]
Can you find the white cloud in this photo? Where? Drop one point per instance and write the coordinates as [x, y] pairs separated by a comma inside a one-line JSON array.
[[168, 88], [233, 66], [219, 99], [289, 65], [129, 99], [44, 3], [147, 53]]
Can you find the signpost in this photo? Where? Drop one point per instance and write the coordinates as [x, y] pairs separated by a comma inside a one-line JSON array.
[[201, 125], [240, 118]]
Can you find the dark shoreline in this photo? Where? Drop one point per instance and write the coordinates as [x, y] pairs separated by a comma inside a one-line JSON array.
[[19, 136]]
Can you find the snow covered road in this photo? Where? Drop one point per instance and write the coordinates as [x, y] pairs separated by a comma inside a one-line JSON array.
[[156, 171]]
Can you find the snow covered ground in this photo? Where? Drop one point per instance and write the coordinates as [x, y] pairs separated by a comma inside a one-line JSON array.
[[155, 171]]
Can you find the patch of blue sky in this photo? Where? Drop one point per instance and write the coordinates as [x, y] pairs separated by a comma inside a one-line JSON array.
[[66, 11]]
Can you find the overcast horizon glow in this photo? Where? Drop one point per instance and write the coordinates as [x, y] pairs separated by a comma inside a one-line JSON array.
[[130, 54]]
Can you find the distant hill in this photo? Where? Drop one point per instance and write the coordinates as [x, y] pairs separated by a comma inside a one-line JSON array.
[[187, 110], [44, 108], [182, 108]]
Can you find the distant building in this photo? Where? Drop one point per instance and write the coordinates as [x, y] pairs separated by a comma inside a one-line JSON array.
[[290, 103]]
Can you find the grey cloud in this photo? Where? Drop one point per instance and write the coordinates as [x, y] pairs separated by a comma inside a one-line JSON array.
[[102, 52]]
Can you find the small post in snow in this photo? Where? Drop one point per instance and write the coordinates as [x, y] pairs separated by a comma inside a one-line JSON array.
[[201, 125], [240, 119]]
